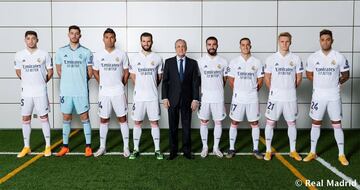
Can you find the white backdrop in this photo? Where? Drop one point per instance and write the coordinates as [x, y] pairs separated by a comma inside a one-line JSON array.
[[193, 21]]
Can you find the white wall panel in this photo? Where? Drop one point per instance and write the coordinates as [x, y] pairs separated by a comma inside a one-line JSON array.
[[91, 38], [7, 63], [12, 91], [355, 116], [263, 39], [315, 13], [89, 13], [307, 38], [23, 13], [242, 13], [164, 38], [356, 39], [164, 13], [357, 13], [11, 117], [193, 21], [356, 65], [12, 39], [356, 90]]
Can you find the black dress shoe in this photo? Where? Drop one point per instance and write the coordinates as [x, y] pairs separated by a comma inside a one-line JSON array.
[[171, 157], [189, 156]]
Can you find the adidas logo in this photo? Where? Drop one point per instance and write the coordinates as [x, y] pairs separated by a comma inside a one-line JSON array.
[[65, 55], [102, 59], [317, 63], [276, 64], [205, 66], [139, 63]]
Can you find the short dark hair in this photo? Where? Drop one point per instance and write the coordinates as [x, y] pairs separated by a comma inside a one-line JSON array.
[[30, 32], [212, 38], [109, 31], [75, 28], [326, 32], [242, 39], [146, 34]]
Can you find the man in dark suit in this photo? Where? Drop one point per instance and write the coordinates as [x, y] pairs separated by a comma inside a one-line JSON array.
[[180, 94]]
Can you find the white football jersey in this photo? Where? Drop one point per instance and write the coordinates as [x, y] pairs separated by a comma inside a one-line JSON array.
[[146, 68], [245, 74], [326, 69], [111, 70], [283, 71], [33, 68], [212, 72]]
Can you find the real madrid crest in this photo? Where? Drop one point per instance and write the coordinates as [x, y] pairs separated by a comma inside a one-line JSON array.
[[219, 66], [152, 63], [39, 60], [291, 63], [253, 68], [80, 56], [333, 62], [117, 59]]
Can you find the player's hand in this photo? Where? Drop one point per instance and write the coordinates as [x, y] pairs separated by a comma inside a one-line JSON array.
[[194, 105], [166, 103]]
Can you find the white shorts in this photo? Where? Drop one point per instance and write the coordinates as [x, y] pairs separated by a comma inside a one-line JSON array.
[[41, 105], [238, 111], [151, 108], [274, 109], [216, 110], [107, 103], [318, 108]]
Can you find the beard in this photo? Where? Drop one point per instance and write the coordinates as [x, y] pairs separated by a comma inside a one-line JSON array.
[[212, 52], [146, 48]]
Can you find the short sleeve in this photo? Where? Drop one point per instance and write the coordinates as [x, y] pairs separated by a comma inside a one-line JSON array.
[[96, 64], [268, 66], [17, 61], [260, 72], [231, 72], [48, 61], [89, 59], [344, 64], [299, 66], [309, 65], [125, 61], [58, 57], [160, 66]]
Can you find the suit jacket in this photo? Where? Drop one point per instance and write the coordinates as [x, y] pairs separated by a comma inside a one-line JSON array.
[[173, 89]]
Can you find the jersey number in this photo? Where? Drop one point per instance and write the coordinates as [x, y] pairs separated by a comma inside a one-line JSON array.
[[314, 106], [270, 106], [234, 107]]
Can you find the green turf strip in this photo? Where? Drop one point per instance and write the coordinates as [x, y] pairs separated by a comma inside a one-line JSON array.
[[116, 172]]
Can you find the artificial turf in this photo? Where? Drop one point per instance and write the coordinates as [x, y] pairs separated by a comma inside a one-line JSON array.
[[117, 172]]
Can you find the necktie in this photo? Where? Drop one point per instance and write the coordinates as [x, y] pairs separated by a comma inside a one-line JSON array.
[[181, 70]]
